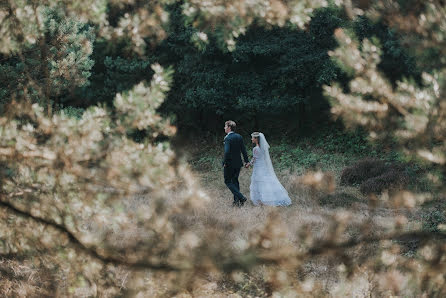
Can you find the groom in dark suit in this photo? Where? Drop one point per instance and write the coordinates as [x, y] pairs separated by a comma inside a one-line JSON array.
[[232, 161]]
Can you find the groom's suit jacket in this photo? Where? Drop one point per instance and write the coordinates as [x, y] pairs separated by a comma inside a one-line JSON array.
[[234, 147]]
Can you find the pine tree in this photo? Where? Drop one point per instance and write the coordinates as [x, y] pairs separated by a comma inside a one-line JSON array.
[[392, 108], [54, 66], [58, 171]]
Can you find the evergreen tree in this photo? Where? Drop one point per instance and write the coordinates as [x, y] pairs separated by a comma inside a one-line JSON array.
[[53, 67], [271, 73], [387, 97], [58, 172]]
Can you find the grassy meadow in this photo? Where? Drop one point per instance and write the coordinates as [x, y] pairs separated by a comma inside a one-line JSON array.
[[311, 209], [314, 211]]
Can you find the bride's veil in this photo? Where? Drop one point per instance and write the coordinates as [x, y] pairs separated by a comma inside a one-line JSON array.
[[264, 146], [271, 190]]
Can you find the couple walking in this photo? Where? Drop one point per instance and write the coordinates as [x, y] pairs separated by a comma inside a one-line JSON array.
[[265, 188]]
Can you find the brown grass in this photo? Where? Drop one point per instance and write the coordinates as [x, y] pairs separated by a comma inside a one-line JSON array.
[[22, 278], [310, 211]]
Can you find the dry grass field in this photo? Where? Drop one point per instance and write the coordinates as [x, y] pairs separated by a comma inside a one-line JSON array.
[[312, 211]]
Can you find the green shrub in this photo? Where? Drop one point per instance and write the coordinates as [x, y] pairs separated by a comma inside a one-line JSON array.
[[432, 219], [73, 112], [362, 171], [393, 178], [375, 176]]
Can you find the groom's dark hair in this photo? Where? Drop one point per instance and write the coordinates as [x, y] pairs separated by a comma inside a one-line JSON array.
[[231, 124]]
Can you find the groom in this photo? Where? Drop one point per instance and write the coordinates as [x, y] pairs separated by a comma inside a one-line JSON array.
[[232, 161]]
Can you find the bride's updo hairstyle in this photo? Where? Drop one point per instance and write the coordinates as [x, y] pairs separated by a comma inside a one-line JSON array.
[[257, 136]]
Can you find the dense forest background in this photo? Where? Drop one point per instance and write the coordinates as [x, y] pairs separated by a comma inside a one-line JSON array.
[[111, 128], [272, 80]]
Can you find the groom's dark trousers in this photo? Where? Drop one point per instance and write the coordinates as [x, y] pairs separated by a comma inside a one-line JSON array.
[[232, 162], [231, 180]]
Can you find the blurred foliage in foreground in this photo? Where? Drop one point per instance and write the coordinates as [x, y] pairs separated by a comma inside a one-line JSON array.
[[67, 183]]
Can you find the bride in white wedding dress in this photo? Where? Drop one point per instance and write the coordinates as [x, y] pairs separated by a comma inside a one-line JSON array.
[[265, 188]]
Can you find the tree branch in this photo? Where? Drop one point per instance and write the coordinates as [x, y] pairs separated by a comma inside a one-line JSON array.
[[322, 248], [91, 251], [418, 235]]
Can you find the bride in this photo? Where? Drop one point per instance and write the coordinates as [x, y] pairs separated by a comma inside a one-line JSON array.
[[265, 188]]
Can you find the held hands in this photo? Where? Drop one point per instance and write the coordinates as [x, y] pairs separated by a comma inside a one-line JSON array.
[[247, 165]]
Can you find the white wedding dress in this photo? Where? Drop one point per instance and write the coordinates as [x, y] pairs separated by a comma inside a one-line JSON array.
[[265, 188]]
